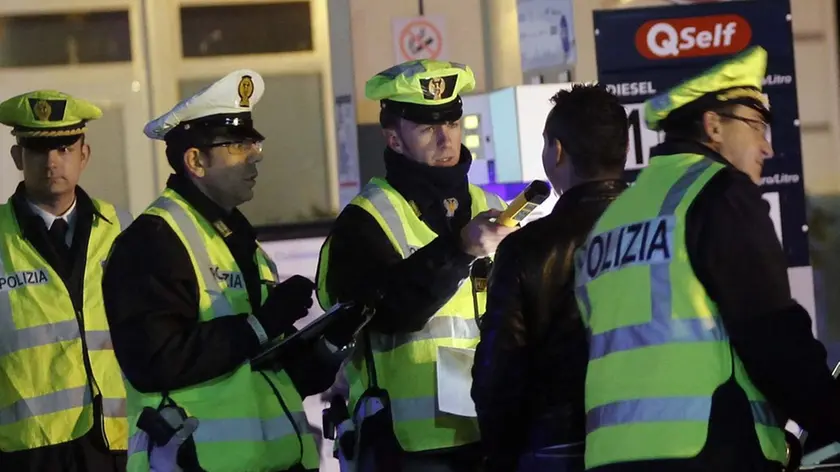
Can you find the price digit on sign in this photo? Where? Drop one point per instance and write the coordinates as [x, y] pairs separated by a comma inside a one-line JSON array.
[[641, 138], [775, 212]]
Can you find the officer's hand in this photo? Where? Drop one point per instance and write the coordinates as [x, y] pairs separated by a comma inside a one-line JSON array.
[[286, 303], [480, 237]]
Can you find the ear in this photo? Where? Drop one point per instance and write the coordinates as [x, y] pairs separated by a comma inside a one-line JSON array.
[[561, 157], [712, 126], [85, 155], [392, 140], [17, 156], [194, 162]]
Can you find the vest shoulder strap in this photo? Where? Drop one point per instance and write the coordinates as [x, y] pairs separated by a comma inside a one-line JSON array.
[[183, 219], [380, 200]]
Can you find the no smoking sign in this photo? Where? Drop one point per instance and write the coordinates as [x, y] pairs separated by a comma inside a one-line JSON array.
[[419, 38]]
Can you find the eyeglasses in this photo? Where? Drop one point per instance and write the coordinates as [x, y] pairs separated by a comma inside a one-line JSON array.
[[759, 126], [241, 147]]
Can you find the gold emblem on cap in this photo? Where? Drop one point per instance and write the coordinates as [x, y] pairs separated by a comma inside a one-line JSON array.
[[246, 90], [436, 87], [42, 110]]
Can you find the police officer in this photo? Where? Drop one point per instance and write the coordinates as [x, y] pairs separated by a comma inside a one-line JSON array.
[[191, 297], [405, 246], [62, 400], [698, 353]]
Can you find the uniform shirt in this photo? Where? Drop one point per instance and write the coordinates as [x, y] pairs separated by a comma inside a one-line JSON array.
[[69, 216]]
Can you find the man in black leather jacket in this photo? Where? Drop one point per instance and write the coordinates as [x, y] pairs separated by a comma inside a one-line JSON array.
[[530, 366]]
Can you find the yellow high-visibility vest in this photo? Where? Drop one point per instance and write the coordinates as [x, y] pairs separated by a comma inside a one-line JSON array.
[[406, 364], [243, 425], [658, 347], [45, 393]]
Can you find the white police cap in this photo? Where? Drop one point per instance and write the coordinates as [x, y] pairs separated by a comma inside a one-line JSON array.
[[220, 107]]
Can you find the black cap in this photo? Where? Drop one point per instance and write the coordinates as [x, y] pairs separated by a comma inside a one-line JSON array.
[[215, 129], [426, 114]]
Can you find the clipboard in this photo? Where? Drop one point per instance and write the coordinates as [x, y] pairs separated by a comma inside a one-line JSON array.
[[310, 332]]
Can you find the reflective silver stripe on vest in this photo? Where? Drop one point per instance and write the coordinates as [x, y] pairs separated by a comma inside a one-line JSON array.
[[45, 404], [379, 199], [662, 328], [494, 201], [416, 409], [232, 430], [220, 304], [124, 219], [249, 429], [649, 410], [114, 407], [42, 335], [98, 341], [449, 327]]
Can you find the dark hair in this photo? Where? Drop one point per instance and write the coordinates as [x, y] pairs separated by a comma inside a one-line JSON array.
[[592, 128], [175, 156], [388, 119], [689, 125]]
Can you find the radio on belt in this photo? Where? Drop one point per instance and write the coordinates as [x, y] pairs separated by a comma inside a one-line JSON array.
[[534, 194]]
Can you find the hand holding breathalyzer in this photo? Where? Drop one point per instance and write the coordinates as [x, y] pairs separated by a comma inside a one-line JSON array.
[[481, 236]]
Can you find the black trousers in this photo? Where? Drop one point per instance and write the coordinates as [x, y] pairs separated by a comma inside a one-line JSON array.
[[85, 454]]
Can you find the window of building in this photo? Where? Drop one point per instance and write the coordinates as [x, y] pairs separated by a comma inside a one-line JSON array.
[[106, 175], [257, 28], [65, 39]]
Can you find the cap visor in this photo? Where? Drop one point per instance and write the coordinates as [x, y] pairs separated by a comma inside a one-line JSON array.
[[238, 134], [428, 114], [39, 143]]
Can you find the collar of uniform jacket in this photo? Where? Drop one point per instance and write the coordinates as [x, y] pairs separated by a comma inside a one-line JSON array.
[[685, 146], [235, 222], [428, 187], [29, 221], [588, 192]]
